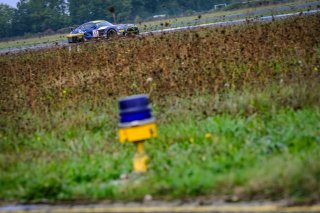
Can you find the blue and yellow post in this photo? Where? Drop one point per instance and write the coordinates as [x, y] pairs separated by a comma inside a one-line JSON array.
[[136, 125]]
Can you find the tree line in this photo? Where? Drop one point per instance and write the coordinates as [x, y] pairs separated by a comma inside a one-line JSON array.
[[32, 16]]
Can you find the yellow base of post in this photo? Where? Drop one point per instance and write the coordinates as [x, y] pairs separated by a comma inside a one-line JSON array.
[[138, 133], [140, 163], [140, 160]]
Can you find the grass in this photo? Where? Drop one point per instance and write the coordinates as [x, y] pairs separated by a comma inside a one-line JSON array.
[[217, 155], [31, 41], [219, 15], [237, 109]]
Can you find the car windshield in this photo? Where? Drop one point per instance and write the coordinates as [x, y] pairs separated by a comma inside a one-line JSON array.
[[104, 24], [78, 29], [88, 26]]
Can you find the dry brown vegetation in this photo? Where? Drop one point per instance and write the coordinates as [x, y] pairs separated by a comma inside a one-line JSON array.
[[191, 62]]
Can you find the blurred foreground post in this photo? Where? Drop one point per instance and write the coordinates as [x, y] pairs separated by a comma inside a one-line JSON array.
[[137, 124]]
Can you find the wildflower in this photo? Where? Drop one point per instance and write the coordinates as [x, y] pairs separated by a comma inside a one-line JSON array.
[[191, 140], [64, 92], [149, 80], [208, 136]]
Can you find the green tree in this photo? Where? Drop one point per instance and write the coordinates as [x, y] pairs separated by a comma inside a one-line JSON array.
[[82, 11], [6, 18], [39, 15]]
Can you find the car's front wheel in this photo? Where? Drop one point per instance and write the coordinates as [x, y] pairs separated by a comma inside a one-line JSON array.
[[72, 40], [111, 33]]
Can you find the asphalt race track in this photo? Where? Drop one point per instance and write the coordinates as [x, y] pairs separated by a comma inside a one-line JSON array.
[[136, 208]]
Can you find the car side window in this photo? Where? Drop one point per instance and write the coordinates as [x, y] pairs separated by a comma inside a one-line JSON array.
[[89, 26]]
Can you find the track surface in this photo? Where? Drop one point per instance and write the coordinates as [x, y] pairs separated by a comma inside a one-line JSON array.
[[269, 208]]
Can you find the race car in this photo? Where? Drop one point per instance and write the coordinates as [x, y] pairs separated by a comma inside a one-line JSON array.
[[100, 29]]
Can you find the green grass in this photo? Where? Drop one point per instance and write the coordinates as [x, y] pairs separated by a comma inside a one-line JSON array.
[[194, 19], [31, 41], [269, 151]]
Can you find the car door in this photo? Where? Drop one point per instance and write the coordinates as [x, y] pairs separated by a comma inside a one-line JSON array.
[[89, 27]]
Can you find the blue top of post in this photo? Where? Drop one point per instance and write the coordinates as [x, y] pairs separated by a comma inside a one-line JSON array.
[[134, 111]]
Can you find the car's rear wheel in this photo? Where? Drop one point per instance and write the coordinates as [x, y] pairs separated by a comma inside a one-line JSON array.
[[111, 33], [70, 40]]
